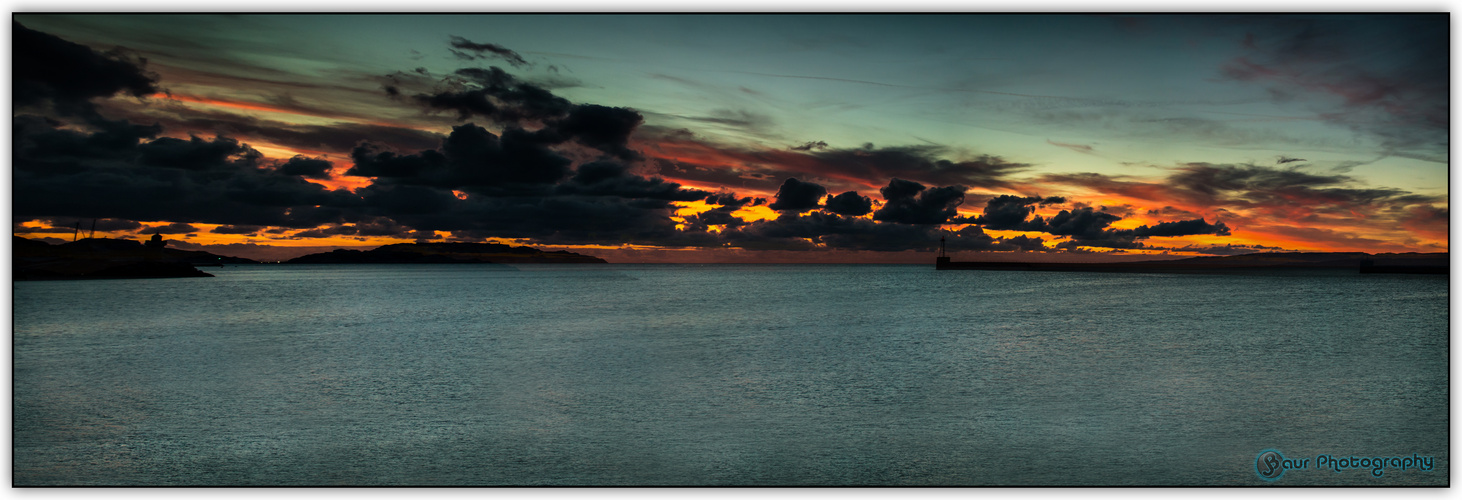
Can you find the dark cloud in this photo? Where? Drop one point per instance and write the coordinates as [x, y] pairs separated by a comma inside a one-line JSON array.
[[381, 226], [850, 203], [791, 231], [1080, 148], [314, 168], [1079, 247], [1285, 159], [39, 137], [485, 50], [729, 199], [109, 224], [471, 159], [909, 202], [561, 220], [1083, 224], [173, 228], [493, 94], [236, 229], [797, 196], [1181, 228], [70, 224], [1026, 244], [45, 68], [518, 163], [220, 153], [809, 146], [18, 230], [602, 204], [973, 238], [610, 178], [501, 98], [377, 226], [601, 127], [743, 178], [1009, 212], [1401, 99], [112, 171]]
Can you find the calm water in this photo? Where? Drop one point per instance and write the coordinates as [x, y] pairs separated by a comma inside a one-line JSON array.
[[668, 374]]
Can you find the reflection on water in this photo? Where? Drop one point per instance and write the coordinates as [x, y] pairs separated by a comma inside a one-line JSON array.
[[664, 374]]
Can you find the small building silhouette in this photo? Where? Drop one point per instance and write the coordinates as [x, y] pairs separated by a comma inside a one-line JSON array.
[[156, 241]]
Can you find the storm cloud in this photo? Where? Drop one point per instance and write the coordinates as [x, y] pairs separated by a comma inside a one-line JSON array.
[[61, 172], [68, 75], [501, 98], [314, 168], [909, 202], [1009, 212], [797, 196], [850, 203], [471, 159], [472, 50]]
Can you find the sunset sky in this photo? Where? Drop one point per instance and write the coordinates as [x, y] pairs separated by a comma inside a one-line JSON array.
[[738, 138]]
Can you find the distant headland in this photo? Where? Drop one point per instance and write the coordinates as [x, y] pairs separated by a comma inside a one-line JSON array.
[[1403, 263], [447, 253], [109, 258]]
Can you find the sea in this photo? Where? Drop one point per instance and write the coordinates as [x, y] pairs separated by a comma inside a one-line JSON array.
[[784, 375]]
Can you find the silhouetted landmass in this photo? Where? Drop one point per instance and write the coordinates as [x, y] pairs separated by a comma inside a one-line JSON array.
[[447, 253], [1410, 263], [108, 258]]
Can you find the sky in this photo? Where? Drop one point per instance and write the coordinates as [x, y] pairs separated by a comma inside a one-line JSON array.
[[738, 138]]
